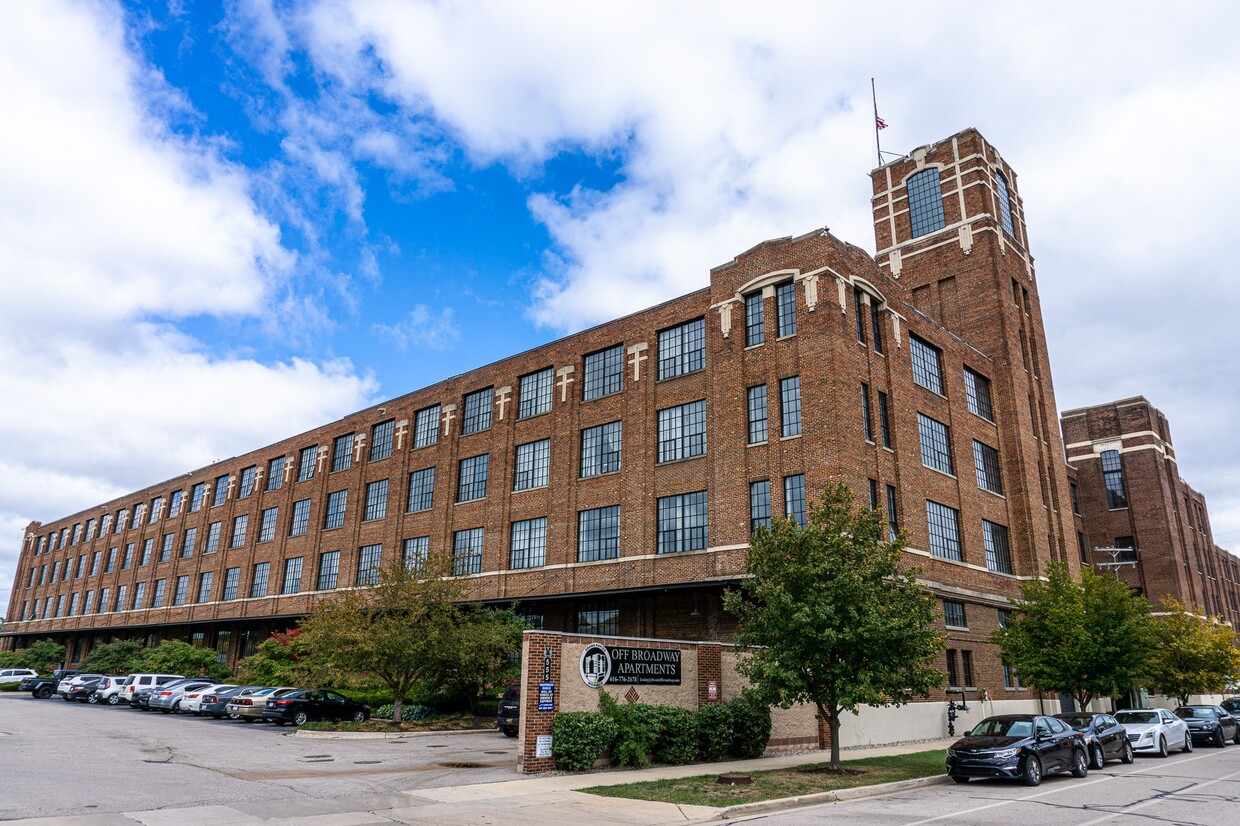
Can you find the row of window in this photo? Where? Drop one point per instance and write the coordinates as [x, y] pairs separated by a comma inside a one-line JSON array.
[[925, 202]]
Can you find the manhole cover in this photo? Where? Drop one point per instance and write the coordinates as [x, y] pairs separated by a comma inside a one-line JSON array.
[[437, 746], [366, 762], [169, 760], [463, 765]]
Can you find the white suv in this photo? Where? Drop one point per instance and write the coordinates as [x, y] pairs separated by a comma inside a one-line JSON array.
[[16, 675], [138, 682], [111, 690]]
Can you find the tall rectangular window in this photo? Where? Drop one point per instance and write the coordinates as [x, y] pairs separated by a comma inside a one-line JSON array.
[[174, 504], [213, 538], [329, 570], [759, 504], [927, 364], [682, 349], [790, 406], [195, 497], [954, 614], [1113, 478], [241, 524], [165, 551], [533, 465], [873, 485], [292, 575], [859, 306], [986, 462], [139, 598], [376, 500], [426, 427], [90, 531], [603, 373], [477, 411], [300, 522], [529, 544], [60, 602], [682, 431], [104, 523], [342, 452], [415, 552], [121, 516], [1005, 203], [977, 392], [267, 526], [682, 522], [867, 419], [786, 309], [337, 502], [205, 580], [472, 479], [258, 585], [179, 595], [794, 498], [884, 419], [119, 605], [925, 202], [148, 545], [757, 414], [893, 515], [248, 475], [95, 559], [755, 320], [936, 444], [600, 449], [135, 523], [381, 440], [306, 460], [107, 569], [369, 560], [534, 393], [232, 577], [467, 552], [876, 327], [966, 665], [157, 599], [221, 491], [598, 534], [998, 552], [275, 473], [421, 490], [944, 525], [187, 546]]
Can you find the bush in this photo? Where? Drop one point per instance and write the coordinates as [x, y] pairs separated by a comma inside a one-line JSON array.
[[714, 732], [409, 711], [677, 742], [9, 686], [751, 725], [637, 730], [580, 737]]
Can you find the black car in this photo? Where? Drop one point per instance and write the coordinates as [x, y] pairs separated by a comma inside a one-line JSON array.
[[1021, 747], [84, 692], [1105, 738], [1213, 724], [315, 704], [508, 718], [1231, 704]]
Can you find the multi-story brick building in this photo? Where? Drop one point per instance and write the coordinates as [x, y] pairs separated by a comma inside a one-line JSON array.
[[1136, 510], [609, 481]]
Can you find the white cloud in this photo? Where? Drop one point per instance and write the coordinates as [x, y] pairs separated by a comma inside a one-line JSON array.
[[422, 328]]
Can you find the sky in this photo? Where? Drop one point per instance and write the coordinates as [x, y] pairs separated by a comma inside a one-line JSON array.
[[225, 223]]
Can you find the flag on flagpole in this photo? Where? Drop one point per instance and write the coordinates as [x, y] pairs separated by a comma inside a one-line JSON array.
[[879, 123]]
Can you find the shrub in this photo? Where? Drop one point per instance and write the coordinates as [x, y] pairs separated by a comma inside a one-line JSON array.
[[637, 731], [409, 711], [751, 725], [714, 732], [580, 738], [677, 741]]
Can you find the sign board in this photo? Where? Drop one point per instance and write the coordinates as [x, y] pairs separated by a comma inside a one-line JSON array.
[[547, 664], [542, 746], [712, 690], [546, 696], [602, 665]]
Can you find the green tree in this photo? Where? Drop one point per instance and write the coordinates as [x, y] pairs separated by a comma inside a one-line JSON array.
[[1087, 638], [44, 655], [484, 655], [286, 659], [831, 617], [123, 657], [176, 657], [1192, 654]]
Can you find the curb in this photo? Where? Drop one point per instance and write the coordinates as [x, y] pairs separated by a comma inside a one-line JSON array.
[[386, 735], [855, 793]]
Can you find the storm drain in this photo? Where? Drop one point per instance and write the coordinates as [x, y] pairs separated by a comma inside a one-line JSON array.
[[366, 762], [495, 752], [314, 756], [463, 765], [437, 746]]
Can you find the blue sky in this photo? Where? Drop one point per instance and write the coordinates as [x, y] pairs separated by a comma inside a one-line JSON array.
[[224, 223]]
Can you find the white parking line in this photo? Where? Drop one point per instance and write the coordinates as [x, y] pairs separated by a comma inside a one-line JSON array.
[[1137, 806]]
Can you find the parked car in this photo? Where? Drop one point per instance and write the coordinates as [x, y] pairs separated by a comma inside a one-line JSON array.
[[1105, 738], [249, 707], [215, 703], [1022, 747], [167, 698], [314, 704], [141, 699], [1212, 724], [1232, 704], [109, 690], [15, 675], [68, 683], [191, 702], [139, 681], [44, 687], [1155, 730], [83, 692], [508, 717]]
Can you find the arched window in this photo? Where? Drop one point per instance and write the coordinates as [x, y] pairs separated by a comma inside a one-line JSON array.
[[925, 202], [1005, 203]]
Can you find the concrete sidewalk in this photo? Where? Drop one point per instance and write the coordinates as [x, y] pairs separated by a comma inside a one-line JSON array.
[[536, 801]]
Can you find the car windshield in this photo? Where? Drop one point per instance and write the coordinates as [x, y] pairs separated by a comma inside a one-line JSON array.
[[1188, 712], [1003, 728], [1138, 717], [1079, 723]]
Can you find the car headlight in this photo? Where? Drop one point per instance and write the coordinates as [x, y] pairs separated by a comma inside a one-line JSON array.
[[1006, 754]]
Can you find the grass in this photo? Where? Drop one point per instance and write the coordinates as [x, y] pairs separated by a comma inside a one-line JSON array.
[[770, 785], [440, 722]]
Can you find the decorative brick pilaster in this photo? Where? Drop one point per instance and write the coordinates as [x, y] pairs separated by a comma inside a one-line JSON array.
[[710, 670], [824, 733], [537, 648]]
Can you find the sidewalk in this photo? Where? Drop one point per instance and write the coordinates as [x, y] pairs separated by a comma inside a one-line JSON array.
[[537, 801]]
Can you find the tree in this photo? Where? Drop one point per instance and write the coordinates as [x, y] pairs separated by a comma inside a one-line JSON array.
[[1087, 638], [122, 657], [482, 658], [43, 656], [1191, 654], [831, 617], [176, 657]]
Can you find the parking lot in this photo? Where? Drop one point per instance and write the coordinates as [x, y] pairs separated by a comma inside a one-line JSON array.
[[63, 758]]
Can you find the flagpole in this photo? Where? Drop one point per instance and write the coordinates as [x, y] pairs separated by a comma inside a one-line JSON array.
[[877, 146]]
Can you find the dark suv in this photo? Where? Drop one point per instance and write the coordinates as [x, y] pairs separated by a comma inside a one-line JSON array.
[[509, 716]]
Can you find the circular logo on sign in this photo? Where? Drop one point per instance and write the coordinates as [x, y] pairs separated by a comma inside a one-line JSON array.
[[595, 665]]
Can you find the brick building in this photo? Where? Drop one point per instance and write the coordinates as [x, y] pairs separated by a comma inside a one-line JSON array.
[[609, 481], [1134, 508]]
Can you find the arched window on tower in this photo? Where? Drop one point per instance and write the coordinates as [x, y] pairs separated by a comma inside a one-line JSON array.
[[925, 202], [1005, 203]]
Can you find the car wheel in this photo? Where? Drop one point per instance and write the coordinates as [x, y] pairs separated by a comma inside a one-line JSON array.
[[1188, 742], [44, 692], [217, 716], [166, 710], [1097, 760], [1127, 756], [246, 719], [1031, 773], [512, 732], [1162, 746], [300, 718], [93, 699], [959, 778], [1080, 764], [1235, 738], [176, 707], [65, 697], [359, 716], [1219, 740], [114, 699]]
